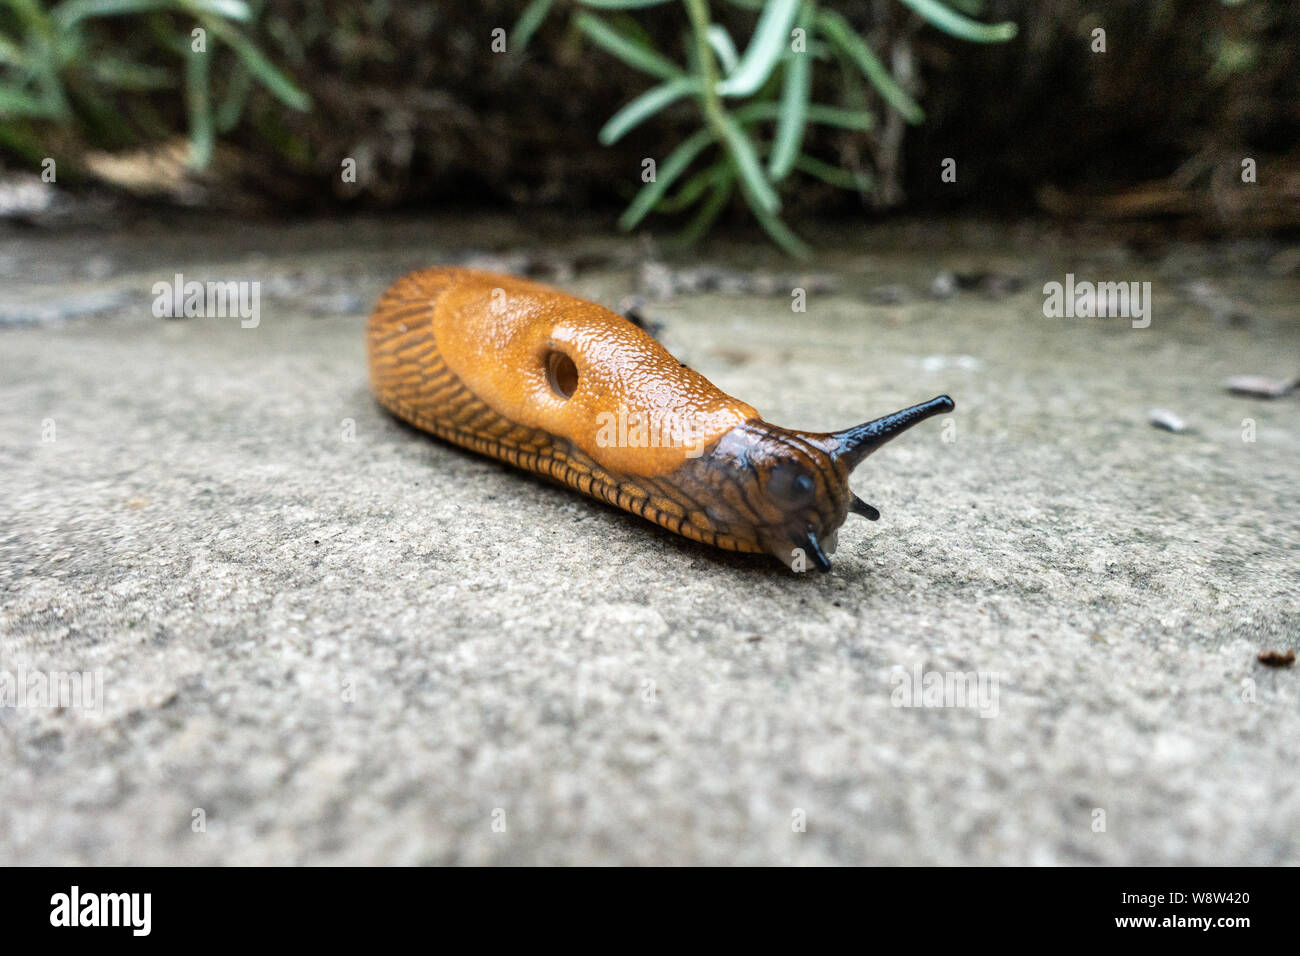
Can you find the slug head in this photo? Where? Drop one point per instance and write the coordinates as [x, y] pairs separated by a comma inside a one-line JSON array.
[[788, 491]]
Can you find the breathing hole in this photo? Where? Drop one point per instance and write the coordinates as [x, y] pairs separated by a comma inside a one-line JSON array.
[[562, 374]]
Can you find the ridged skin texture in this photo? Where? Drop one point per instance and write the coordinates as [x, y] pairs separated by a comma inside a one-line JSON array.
[[465, 355]]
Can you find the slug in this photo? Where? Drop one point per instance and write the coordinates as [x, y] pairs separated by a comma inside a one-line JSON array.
[[570, 390]]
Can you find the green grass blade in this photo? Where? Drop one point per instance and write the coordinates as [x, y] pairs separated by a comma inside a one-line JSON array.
[[752, 178], [266, 73], [722, 45], [72, 11], [630, 51], [833, 175], [839, 32], [793, 116], [844, 119], [528, 23], [645, 106], [622, 4], [782, 235], [198, 103], [232, 104], [708, 212], [954, 24], [771, 39], [695, 187], [820, 115], [230, 9], [665, 176], [125, 75]]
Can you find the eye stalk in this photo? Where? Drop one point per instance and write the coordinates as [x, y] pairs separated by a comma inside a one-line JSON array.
[[855, 444]]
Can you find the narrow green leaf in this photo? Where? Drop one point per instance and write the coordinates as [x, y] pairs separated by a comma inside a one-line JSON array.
[[71, 11], [795, 94], [131, 76], [819, 50], [839, 178], [695, 188], [771, 39], [782, 235], [645, 106], [630, 51], [232, 104], [528, 23], [279, 85], [622, 4], [722, 45], [230, 9], [708, 212], [821, 115], [665, 176], [198, 103], [953, 23], [844, 119], [752, 178], [839, 32]]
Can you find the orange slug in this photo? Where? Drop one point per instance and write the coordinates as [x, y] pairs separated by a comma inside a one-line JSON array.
[[570, 390]]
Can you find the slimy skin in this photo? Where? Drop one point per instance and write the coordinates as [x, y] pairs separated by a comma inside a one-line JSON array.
[[568, 389]]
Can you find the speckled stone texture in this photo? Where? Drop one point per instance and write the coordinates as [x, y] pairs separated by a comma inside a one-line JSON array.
[[344, 642]]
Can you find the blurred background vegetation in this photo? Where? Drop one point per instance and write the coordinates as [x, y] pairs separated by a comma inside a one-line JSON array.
[[556, 103]]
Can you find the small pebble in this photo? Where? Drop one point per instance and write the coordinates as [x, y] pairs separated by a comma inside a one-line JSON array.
[[1257, 386], [944, 285], [1163, 418]]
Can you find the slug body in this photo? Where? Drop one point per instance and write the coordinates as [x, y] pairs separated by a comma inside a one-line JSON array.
[[570, 390]]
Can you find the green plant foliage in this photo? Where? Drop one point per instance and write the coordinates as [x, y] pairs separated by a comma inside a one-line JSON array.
[[59, 63], [754, 106]]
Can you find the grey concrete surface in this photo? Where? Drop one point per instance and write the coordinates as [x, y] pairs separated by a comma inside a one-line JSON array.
[[325, 638]]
